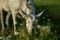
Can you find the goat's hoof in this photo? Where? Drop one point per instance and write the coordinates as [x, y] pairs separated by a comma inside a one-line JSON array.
[[1, 37], [9, 36], [16, 33]]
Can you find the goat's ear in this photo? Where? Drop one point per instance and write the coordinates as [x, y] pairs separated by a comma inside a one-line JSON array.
[[39, 14]]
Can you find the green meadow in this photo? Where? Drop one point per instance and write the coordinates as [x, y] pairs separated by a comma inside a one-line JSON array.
[[51, 7]]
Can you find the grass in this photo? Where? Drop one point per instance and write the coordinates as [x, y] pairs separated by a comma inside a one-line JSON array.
[[51, 7]]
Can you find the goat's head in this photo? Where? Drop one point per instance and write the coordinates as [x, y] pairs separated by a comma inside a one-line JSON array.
[[30, 19]]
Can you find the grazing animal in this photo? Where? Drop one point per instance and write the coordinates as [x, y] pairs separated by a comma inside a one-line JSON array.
[[24, 7]]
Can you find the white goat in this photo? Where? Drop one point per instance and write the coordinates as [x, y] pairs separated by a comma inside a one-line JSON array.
[[24, 7]]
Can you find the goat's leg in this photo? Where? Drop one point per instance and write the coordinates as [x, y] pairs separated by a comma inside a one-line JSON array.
[[3, 29], [14, 14], [7, 21]]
